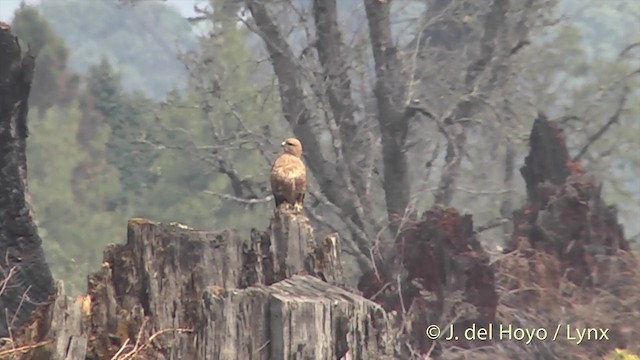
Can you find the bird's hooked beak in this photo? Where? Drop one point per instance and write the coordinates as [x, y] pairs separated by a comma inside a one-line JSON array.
[[284, 143]]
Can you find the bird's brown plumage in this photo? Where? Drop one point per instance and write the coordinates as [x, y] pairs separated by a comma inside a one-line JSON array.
[[289, 175]]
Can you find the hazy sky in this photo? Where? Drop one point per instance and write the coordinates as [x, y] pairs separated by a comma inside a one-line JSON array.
[[7, 7]]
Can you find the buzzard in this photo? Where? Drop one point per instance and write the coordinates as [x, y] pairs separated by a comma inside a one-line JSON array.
[[289, 176]]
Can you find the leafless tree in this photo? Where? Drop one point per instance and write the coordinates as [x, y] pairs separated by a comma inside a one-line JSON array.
[[374, 95], [449, 77], [397, 110]]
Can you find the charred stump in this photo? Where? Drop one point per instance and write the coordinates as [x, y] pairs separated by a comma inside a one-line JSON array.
[[25, 277], [567, 260], [565, 215], [447, 279]]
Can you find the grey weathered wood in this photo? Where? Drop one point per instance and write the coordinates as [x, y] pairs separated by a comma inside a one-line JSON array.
[[310, 319], [159, 273], [297, 318], [295, 250], [68, 328], [57, 332], [234, 325], [291, 240], [324, 260], [290, 247]]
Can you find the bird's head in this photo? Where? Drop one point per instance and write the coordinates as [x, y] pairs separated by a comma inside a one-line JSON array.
[[292, 146]]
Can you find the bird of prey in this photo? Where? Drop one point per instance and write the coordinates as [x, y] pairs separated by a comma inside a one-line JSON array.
[[289, 176]]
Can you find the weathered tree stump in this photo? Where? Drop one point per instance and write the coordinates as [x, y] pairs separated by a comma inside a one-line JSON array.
[[57, 331], [297, 318], [171, 292], [24, 274]]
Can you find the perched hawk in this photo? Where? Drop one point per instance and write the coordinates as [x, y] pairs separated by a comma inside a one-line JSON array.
[[289, 176]]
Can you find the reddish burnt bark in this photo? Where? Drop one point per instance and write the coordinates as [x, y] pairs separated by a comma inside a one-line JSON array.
[[565, 214], [441, 255]]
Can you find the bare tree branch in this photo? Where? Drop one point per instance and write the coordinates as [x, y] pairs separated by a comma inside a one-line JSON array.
[[494, 223], [612, 120], [240, 200], [627, 49], [494, 22]]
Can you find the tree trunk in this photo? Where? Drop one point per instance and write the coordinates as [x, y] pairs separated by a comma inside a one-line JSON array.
[[25, 277]]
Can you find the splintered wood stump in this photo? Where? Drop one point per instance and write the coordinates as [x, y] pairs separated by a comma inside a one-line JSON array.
[[171, 292], [298, 318], [295, 250], [58, 331]]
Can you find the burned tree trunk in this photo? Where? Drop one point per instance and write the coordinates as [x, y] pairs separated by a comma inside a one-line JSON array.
[[446, 269], [567, 250], [25, 278], [565, 214], [565, 231]]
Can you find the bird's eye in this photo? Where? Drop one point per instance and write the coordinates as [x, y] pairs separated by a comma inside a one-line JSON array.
[[288, 143]]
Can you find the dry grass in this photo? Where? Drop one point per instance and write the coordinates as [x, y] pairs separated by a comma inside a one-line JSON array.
[[10, 352], [130, 351], [534, 294]]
